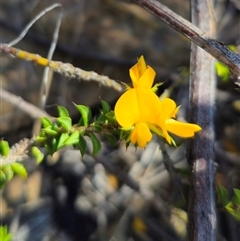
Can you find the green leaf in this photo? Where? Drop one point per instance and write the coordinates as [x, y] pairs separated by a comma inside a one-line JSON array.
[[222, 195], [49, 131], [101, 118], [72, 139], [110, 116], [222, 71], [3, 179], [40, 139], [19, 169], [82, 145], [236, 196], [233, 210], [8, 171], [97, 126], [85, 112], [105, 106], [4, 148], [4, 235], [65, 122], [96, 144], [61, 140], [46, 122], [38, 155], [112, 140], [62, 111]]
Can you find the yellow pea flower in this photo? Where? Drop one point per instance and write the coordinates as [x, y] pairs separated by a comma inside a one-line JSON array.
[[168, 124], [140, 110], [134, 110]]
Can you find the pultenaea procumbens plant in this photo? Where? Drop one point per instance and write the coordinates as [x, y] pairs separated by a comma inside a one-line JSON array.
[[141, 111]]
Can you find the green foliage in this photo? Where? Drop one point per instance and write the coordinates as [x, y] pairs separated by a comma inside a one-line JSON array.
[[231, 206], [62, 111], [65, 122], [4, 235], [19, 169], [95, 143], [60, 132], [37, 154], [222, 70], [4, 148], [82, 145], [86, 114]]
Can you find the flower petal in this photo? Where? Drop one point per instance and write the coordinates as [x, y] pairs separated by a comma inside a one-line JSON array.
[[142, 75], [182, 129], [141, 134], [126, 109], [134, 74], [146, 80], [137, 105], [168, 109], [148, 104]]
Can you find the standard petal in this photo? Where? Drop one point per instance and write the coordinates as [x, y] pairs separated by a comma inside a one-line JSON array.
[[134, 74], [127, 109], [142, 65], [149, 105], [182, 129], [146, 80], [141, 134]]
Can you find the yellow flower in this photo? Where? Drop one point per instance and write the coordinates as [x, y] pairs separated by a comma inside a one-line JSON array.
[[167, 124], [140, 110], [134, 110]]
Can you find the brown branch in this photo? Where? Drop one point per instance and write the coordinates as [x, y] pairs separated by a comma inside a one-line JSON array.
[[213, 47], [201, 206]]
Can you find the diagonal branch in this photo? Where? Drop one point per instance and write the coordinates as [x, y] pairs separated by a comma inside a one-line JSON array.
[[213, 47]]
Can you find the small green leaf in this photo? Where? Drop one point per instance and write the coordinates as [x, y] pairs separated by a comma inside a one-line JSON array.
[[96, 144], [19, 169], [61, 140], [82, 145], [222, 71], [38, 155], [49, 131], [110, 116], [3, 179], [8, 171], [62, 111], [101, 118], [236, 196], [4, 235], [65, 122], [97, 126], [4, 148], [72, 139], [46, 122], [105, 106], [222, 194], [51, 148], [40, 140], [233, 210], [85, 112], [112, 140]]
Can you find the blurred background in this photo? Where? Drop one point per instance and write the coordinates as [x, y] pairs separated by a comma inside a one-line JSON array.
[[119, 195]]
